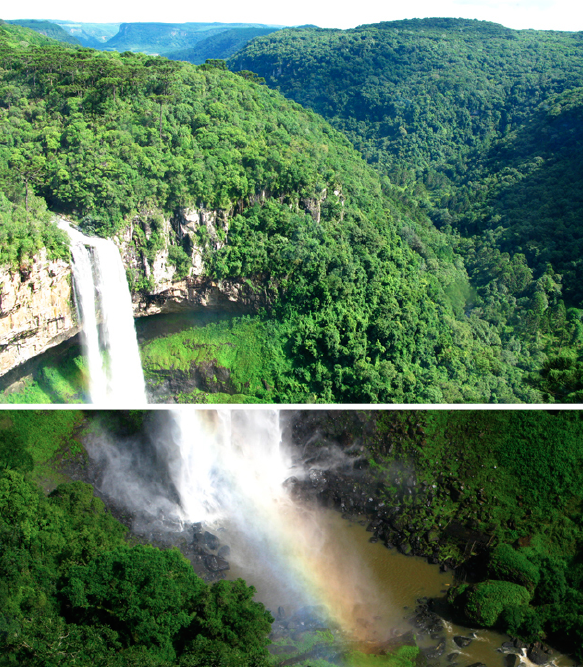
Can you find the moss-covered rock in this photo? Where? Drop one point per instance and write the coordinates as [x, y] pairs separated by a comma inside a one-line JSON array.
[[508, 564], [484, 602]]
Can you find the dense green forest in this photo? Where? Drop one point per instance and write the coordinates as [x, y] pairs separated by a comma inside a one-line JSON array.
[[498, 495], [74, 590], [480, 127], [367, 300]]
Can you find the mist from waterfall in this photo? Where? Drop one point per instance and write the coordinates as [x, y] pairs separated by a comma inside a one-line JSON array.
[[104, 308], [230, 468]]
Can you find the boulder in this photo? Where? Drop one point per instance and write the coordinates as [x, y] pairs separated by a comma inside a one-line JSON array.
[[461, 641], [538, 654], [215, 563], [211, 541]]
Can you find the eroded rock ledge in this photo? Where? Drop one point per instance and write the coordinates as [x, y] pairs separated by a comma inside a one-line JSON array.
[[36, 310]]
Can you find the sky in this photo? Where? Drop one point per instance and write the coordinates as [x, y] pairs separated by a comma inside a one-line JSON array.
[[518, 14]]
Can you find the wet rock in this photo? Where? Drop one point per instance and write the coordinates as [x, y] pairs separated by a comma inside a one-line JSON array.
[[452, 656], [406, 549], [477, 664], [434, 651], [215, 563], [224, 551], [519, 644], [211, 541], [197, 528], [511, 660], [538, 654], [461, 641], [508, 647], [280, 613]]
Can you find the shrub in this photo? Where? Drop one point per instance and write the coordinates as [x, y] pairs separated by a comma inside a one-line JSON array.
[[507, 564]]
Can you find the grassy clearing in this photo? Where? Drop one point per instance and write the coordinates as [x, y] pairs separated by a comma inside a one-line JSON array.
[[250, 348]]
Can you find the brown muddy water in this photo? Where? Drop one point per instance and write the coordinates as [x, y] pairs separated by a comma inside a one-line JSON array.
[[384, 586]]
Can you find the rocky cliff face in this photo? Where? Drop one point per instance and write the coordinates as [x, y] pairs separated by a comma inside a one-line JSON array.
[[36, 310]]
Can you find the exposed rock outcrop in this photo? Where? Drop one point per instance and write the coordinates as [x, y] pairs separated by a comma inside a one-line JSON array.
[[36, 310]]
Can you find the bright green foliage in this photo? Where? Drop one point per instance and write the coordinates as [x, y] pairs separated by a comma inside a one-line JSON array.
[[73, 593], [23, 234], [510, 565], [405, 656]]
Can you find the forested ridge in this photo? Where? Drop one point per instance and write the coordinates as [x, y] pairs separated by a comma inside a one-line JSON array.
[[75, 589], [367, 298], [480, 126]]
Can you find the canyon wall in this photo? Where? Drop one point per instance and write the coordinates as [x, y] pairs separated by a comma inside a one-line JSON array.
[[36, 310]]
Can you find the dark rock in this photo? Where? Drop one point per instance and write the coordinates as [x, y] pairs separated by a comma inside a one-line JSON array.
[[280, 612], [477, 664], [462, 642], [434, 651], [224, 551], [197, 528], [511, 660], [518, 643], [215, 564], [509, 647], [406, 549], [452, 656], [211, 541], [538, 654]]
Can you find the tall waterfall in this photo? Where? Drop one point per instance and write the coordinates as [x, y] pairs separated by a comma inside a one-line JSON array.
[[104, 308], [230, 467]]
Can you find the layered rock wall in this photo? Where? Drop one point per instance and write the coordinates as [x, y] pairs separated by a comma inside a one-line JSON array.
[[37, 310]]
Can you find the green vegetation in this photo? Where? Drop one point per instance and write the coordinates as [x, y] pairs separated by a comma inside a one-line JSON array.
[[221, 45], [48, 29], [479, 125], [499, 495], [364, 300], [56, 382], [74, 591]]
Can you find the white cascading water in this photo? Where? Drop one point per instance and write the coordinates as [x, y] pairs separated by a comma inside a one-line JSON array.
[[229, 468], [104, 307]]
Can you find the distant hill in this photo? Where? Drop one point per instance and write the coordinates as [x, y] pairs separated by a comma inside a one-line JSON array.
[[165, 38], [93, 35], [222, 45], [48, 29], [17, 37]]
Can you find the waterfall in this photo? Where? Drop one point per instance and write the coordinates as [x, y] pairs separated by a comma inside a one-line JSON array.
[[104, 308], [230, 468]]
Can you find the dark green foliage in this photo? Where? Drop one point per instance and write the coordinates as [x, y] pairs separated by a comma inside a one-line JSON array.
[[484, 602], [510, 565], [509, 478], [72, 592], [481, 126], [13, 453], [148, 596]]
